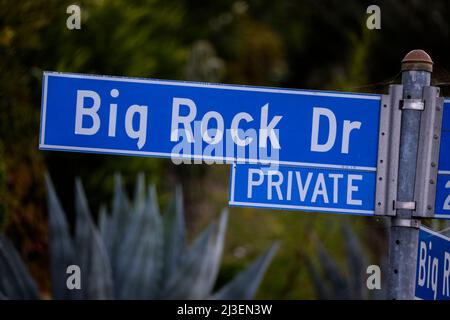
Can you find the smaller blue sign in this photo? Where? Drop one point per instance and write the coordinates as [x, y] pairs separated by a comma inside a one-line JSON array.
[[303, 188], [443, 196], [444, 153], [442, 204], [433, 266]]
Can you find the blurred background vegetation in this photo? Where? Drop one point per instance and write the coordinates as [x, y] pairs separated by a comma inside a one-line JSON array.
[[290, 43]]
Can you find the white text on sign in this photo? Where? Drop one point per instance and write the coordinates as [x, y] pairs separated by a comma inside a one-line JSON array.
[[184, 113], [302, 188]]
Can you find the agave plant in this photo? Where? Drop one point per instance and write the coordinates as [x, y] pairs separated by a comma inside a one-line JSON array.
[[330, 282], [135, 253]]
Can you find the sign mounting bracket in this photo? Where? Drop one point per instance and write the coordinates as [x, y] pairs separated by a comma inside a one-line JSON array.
[[388, 152], [428, 153]]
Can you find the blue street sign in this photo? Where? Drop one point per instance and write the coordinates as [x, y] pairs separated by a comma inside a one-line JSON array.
[[433, 266], [443, 181], [303, 188], [211, 122]]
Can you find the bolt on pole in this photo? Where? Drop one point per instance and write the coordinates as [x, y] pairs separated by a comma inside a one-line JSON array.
[[404, 231]]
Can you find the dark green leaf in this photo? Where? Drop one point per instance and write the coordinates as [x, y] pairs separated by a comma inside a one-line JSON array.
[[245, 284], [62, 252], [331, 272], [15, 281], [92, 258], [321, 288], [196, 276], [174, 237], [140, 268], [357, 262]]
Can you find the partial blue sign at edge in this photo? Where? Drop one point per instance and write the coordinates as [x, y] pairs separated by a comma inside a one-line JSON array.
[[442, 203], [433, 266]]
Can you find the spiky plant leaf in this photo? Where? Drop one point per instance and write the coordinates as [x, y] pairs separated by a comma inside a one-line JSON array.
[[119, 221], [322, 291], [445, 228], [244, 285], [435, 224], [183, 282], [15, 281], [174, 234], [196, 276], [152, 201], [129, 245], [142, 253], [62, 251], [127, 252], [336, 285], [356, 261], [91, 255], [143, 276], [104, 223], [139, 193], [331, 271], [215, 254]]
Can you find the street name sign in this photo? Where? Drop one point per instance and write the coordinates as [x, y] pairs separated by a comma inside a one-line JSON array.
[[433, 266], [209, 122]]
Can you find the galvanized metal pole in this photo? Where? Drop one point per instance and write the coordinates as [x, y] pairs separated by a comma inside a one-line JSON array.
[[404, 230]]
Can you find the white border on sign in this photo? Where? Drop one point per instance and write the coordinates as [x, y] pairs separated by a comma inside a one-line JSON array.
[[228, 160], [43, 110], [441, 216], [217, 86], [434, 233], [293, 207]]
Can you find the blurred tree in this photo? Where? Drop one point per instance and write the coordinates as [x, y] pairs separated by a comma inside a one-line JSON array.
[[2, 190], [21, 47], [203, 65]]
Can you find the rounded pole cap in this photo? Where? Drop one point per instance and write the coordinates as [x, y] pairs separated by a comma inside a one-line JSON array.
[[417, 60]]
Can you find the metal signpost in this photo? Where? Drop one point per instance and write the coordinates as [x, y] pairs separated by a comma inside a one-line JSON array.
[[416, 74], [384, 155]]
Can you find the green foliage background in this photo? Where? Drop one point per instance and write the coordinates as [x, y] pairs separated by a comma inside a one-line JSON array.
[[299, 44]]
